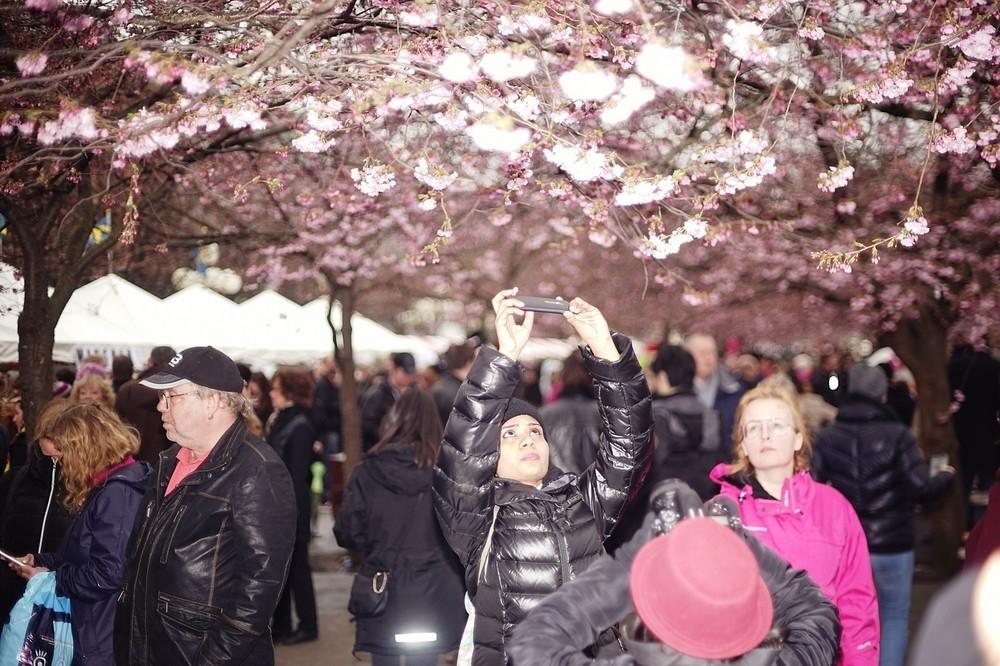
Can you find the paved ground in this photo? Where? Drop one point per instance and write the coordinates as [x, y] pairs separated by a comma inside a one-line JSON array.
[[333, 586]]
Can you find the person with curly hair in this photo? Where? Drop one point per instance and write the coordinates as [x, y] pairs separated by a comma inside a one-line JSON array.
[[104, 485], [93, 389]]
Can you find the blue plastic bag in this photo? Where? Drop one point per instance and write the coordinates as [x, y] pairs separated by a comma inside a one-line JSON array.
[[38, 630]]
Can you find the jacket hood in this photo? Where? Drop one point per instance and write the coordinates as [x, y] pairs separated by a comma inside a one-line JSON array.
[[796, 492], [556, 482], [396, 469], [680, 420], [856, 409], [137, 475]]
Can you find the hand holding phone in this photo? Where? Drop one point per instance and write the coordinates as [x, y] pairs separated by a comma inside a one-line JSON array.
[[545, 305], [13, 560]]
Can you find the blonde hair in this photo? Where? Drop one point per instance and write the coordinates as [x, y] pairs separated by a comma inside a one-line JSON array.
[[770, 391], [91, 439], [107, 392]]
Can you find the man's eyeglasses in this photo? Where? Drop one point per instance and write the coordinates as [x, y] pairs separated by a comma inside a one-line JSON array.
[[165, 398], [757, 429]]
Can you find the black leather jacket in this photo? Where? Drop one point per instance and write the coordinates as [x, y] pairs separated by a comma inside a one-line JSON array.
[[873, 460], [543, 537], [206, 564]]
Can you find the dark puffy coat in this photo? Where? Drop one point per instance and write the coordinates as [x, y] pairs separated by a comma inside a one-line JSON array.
[[206, 564], [873, 460], [292, 435], [90, 565], [572, 429], [688, 443], [375, 404], [136, 404], [557, 631], [444, 391], [388, 515], [545, 536], [30, 496], [325, 413]]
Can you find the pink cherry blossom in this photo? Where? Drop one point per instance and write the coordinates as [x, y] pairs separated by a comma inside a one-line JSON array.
[[43, 5], [956, 141], [581, 164], [32, 64], [425, 17], [78, 23], [835, 177], [667, 66], [506, 65], [312, 142], [981, 44], [194, 84], [587, 83], [745, 40], [633, 96], [435, 177], [459, 67], [696, 227], [498, 133], [613, 7], [374, 179], [638, 191]]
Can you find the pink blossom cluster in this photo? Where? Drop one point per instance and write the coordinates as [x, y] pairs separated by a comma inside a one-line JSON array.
[[745, 40], [980, 45], [527, 23], [525, 105], [42, 5], [519, 172], [954, 141], [613, 7], [835, 177], [374, 179], [957, 75], [602, 237], [632, 96], [76, 122], [669, 67], [914, 226], [452, 120], [889, 86], [581, 164], [660, 246], [32, 64], [507, 65], [313, 142], [433, 176], [751, 175], [244, 115], [77, 23], [587, 82], [194, 84], [421, 17], [638, 191], [498, 133], [15, 122], [811, 31], [746, 144], [696, 227]]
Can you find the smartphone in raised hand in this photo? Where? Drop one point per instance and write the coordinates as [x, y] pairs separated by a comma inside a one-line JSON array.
[[543, 305], [11, 558]]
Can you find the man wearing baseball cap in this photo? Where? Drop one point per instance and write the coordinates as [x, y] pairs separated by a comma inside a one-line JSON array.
[[213, 538]]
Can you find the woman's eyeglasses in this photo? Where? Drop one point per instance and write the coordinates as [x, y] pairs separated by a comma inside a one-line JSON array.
[[757, 429]]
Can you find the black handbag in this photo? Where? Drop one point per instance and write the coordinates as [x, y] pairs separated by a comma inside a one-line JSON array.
[[370, 590]]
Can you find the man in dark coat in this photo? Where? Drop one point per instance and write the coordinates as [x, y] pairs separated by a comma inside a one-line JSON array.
[[873, 460], [457, 360], [714, 386], [136, 404], [573, 421], [378, 400], [214, 535], [325, 412]]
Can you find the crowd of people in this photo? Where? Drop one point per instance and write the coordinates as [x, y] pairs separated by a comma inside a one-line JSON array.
[[706, 508]]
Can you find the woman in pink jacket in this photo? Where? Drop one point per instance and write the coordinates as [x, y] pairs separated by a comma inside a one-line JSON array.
[[809, 524]]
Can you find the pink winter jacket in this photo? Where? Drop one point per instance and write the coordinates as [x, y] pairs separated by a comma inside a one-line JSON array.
[[815, 528]]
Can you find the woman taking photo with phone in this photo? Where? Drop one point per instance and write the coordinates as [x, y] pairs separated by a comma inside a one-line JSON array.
[[104, 486], [809, 524], [521, 527]]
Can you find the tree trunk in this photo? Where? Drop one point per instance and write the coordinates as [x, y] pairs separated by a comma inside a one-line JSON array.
[[922, 344], [35, 341], [350, 411]]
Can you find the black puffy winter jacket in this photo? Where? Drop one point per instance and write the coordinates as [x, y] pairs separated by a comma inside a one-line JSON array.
[[543, 537], [206, 563], [873, 460]]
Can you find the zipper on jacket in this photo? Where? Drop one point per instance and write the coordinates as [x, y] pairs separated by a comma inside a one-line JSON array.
[[560, 535], [48, 505]]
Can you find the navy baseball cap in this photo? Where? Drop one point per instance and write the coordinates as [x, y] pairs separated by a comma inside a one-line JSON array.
[[204, 366]]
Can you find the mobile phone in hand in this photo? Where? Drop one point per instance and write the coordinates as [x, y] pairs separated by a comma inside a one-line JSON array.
[[11, 558], [544, 305], [938, 463]]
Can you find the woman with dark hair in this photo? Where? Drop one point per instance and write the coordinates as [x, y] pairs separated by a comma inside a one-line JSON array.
[[258, 391], [292, 435], [573, 421], [388, 515]]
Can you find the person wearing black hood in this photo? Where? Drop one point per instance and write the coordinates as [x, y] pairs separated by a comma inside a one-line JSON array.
[[388, 515], [136, 405], [292, 435], [873, 460], [573, 421], [521, 527], [33, 517]]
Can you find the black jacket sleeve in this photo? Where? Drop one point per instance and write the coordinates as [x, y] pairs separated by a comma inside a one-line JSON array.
[[808, 617], [568, 621], [352, 519], [467, 463], [625, 444], [298, 457], [921, 484]]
